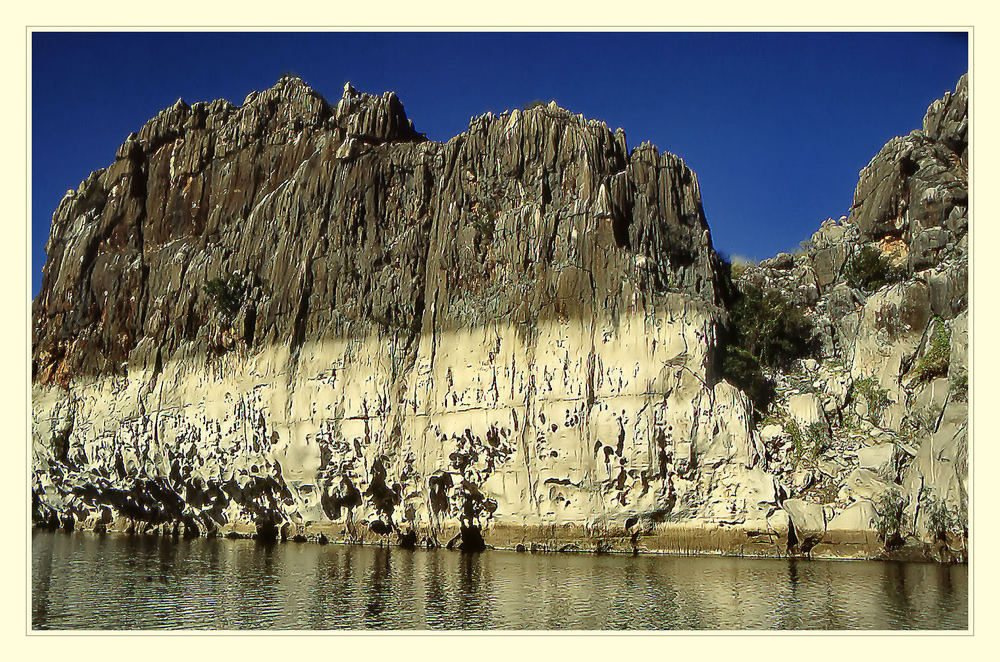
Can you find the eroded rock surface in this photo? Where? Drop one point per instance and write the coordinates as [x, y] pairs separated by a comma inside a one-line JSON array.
[[403, 336], [298, 319]]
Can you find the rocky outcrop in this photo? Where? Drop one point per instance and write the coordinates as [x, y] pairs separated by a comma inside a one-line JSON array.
[[891, 376], [299, 319]]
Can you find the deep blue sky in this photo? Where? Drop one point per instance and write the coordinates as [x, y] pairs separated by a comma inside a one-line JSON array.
[[775, 125]]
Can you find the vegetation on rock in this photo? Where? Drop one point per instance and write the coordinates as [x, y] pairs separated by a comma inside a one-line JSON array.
[[771, 328], [810, 442], [817, 438], [939, 519], [960, 387], [934, 362], [889, 517], [876, 398], [869, 270], [766, 330], [742, 369], [227, 294]]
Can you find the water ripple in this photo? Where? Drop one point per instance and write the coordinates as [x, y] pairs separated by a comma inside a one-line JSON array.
[[82, 581]]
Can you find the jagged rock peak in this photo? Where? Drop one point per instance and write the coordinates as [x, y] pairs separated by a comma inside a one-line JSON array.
[[534, 190], [947, 119], [550, 113], [916, 180], [280, 112], [374, 118]]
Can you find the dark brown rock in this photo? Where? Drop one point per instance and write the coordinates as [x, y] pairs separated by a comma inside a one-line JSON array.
[[344, 218]]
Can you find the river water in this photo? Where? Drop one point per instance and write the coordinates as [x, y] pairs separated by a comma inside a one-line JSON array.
[[113, 582]]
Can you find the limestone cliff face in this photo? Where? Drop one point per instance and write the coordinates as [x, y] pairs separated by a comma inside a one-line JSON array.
[[293, 314], [302, 319]]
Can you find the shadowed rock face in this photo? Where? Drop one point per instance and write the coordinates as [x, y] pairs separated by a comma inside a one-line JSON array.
[[916, 188], [344, 219]]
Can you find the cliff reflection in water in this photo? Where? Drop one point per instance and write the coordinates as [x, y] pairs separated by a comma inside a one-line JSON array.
[[120, 582]]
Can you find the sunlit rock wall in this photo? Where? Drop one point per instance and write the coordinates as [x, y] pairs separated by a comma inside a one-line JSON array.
[[514, 328]]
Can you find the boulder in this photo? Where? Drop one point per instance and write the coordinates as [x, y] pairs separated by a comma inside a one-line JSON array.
[[865, 484], [856, 517], [771, 433], [828, 468], [807, 519], [926, 245], [803, 479], [778, 521], [840, 301], [806, 409], [877, 458], [781, 262], [949, 289], [832, 232], [827, 264]]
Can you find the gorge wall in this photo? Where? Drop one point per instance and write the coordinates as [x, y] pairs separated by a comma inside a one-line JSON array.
[[296, 319], [887, 392]]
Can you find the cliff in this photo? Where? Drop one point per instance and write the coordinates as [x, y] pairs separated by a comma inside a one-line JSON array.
[[886, 392], [297, 319]]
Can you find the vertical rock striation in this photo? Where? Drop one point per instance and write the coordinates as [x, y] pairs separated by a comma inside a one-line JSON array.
[[294, 318], [301, 319]]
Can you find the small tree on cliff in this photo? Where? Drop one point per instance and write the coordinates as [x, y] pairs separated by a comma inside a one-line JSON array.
[[771, 328], [890, 513], [766, 330], [227, 294]]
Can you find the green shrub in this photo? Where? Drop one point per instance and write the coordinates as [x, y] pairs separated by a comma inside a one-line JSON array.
[[771, 328], [227, 295], [868, 270], [939, 519], [889, 516], [765, 330], [876, 397], [960, 387], [794, 432], [744, 371], [918, 424], [816, 438], [934, 362], [850, 422], [812, 441], [533, 104]]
